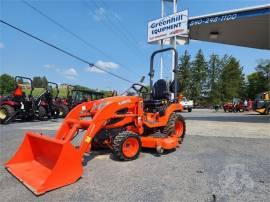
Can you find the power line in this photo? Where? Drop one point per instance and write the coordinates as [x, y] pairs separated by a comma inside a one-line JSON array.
[[65, 52], [64, 28], [125, 30], [115, 30], [122, 30], [72, 33]]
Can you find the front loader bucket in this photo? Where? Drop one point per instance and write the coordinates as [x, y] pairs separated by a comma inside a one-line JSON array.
[[44, 163]]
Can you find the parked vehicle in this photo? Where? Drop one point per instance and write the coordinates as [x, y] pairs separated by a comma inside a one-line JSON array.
[[18, 105], [62, 103], [262, 103], [79, 96], [187, 104], [131, 123], [50, 104], [236, 106], [74, 97]]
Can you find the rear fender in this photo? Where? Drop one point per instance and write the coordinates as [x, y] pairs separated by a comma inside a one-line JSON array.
[[162, 121], [10, 103], [44, 104]]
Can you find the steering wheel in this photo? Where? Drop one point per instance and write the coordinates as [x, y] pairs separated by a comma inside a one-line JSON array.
[[139, 88]]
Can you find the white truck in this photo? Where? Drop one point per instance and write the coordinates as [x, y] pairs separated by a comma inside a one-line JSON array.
[[187, 104]]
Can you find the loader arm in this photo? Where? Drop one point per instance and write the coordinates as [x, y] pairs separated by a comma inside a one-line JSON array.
[[96, 115], [44, 163]]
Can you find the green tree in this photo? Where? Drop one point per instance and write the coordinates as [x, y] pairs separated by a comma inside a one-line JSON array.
[[213, 81], [6, 84], [184, 74], [37, 82], [256, 84], [40, 82], [231, 79], [264, 68], [198, 77], [44, 81], [82, 87]]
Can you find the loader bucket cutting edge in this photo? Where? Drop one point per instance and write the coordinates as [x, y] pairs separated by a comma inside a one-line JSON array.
[[43, 163]]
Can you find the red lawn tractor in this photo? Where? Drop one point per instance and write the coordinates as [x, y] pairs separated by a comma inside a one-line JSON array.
[[234, 107], [18, 105], [53, 106]]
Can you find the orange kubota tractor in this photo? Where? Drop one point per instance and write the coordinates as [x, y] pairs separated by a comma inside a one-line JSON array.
[[44, 163]]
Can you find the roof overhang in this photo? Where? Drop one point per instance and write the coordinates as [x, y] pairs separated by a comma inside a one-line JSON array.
[[248, 27]]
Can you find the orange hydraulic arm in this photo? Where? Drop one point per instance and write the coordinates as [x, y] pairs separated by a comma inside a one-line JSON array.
[[43, 163]]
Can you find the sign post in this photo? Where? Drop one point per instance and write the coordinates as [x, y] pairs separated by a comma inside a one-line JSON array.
[[168, 28], [161, 42], [174, 41]]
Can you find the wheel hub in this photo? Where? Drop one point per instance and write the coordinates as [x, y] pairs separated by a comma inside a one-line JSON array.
[[179, 128], [130, 147], [3, 114], [61, 113]]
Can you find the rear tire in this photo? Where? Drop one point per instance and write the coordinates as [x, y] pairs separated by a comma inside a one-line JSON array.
[[176, 126], [267, 110], [6, 111], [189, 109], [42, 113], [126, 146], [55, 112], [63, 110]]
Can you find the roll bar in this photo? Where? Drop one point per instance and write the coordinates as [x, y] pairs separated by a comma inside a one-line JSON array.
[[56, 86], [152, 71], [69, 87], [26, 78]]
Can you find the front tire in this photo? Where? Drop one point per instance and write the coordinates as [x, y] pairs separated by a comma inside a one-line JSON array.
[[189, 109], [126, 146], [42, 113], [267, 110], [63, 110], [6, 112]]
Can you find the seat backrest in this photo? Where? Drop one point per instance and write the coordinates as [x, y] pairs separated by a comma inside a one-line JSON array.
[[160, 90], [18, 91], [172, 87]]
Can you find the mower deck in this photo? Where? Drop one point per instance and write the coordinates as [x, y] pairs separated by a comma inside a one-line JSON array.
[[159, 140]]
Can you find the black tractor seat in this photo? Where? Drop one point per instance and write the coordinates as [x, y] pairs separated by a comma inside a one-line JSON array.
[[160, 96], [155, 103]]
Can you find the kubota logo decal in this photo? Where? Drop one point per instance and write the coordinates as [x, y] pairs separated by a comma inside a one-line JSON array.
[[124, 102]]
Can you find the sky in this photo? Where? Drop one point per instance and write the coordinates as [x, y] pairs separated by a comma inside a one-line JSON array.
[[112, 34]]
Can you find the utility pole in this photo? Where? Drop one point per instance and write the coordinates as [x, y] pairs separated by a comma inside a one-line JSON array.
[[161, 43], [174, 42], [169, 30]]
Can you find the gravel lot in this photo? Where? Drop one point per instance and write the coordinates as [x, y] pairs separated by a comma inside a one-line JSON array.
[[225, 157]]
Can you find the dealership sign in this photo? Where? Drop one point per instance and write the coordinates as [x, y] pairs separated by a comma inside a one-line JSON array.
[[169, 26]]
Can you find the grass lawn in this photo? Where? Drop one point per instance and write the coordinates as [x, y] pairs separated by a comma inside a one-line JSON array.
[[37, 91]]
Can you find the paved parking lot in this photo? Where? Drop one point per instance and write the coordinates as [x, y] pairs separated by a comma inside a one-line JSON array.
[[225, 157]]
